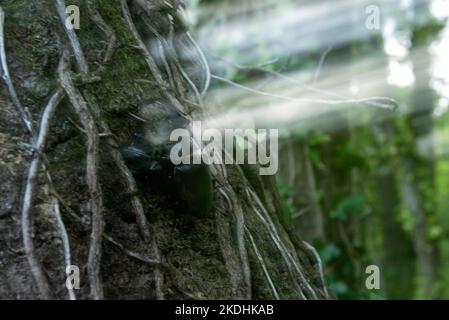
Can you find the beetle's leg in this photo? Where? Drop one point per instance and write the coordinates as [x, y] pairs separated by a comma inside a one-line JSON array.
[[139, 161]]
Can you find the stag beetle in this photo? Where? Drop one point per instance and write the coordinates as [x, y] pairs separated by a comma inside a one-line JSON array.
[[149, 151]]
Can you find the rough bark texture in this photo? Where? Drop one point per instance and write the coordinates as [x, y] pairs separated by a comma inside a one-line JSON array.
[[216, 257]]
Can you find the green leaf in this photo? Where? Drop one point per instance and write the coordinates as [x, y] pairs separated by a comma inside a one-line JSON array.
[[351, 205], [318, 138], [285, 190], [329, 252]]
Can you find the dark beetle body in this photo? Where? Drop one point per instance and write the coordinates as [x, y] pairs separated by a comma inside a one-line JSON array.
[[149, 152], [194, 185]]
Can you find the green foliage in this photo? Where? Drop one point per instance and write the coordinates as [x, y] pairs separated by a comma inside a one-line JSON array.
[[351, 160], [329, 253], [349, 206], [426, 32], [316, 138], [286, 192], [375, 296], [339, 288], [348, 158]]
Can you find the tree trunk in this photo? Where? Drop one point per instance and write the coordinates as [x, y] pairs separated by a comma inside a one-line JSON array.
[[240, 251], [418, 183], [397, 249]]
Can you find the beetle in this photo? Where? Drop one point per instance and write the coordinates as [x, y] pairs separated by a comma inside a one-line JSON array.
[[149, 150]]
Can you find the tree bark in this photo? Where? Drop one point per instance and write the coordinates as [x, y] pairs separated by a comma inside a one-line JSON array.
[[241, 251]]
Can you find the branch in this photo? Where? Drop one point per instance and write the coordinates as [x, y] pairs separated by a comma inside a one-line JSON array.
[[239, 271], [149, 59], [7, 78], [55, 201], [174, 56], [130, 182], [65, 240], [292, 264], [169, 46], [202, 58], [319, 265], [27, 213], [132, 254], [73, 39], [136, 203], [27, 217], [88, 122], [161, 43], [262, 264], [204, 61], [381, 102], [321, 63]]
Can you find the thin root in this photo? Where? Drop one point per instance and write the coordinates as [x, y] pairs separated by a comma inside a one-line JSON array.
[[92, 161], [27, 212]]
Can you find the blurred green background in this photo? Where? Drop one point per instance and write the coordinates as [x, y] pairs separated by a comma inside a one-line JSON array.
[[367, 185]]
